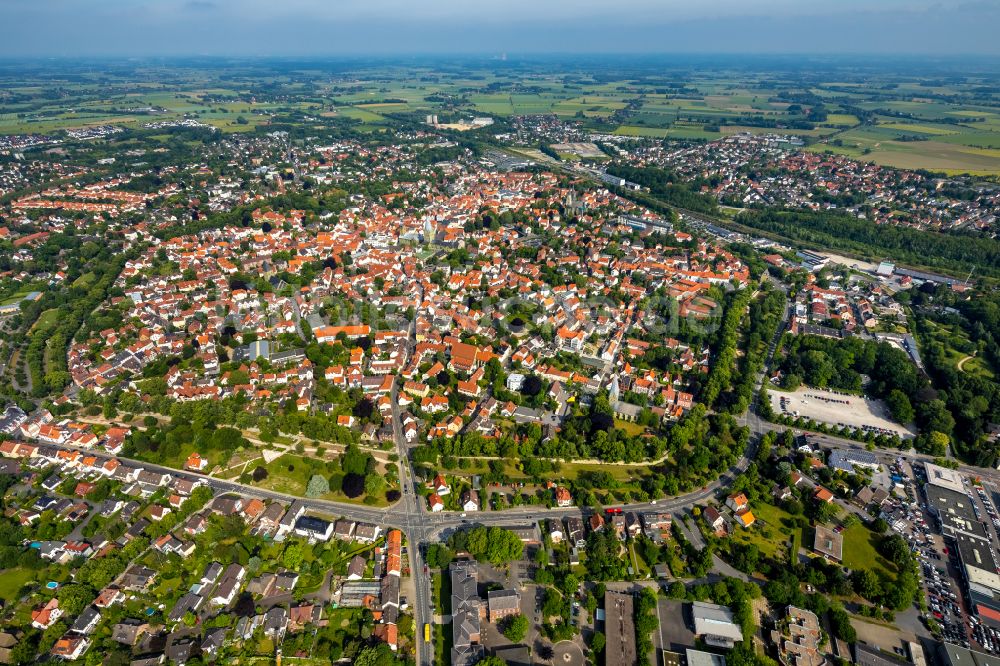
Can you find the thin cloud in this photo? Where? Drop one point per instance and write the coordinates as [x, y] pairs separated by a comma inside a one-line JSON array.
[[373, 27]]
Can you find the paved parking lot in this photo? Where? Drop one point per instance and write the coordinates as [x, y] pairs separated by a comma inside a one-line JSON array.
[[836, 409], [882, 637]]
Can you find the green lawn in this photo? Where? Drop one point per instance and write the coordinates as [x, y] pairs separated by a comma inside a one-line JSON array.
[[46, 320], [772, 531], [632, 429], [167, 586], [293, 481], [12, 580], [441, 638], [85, 280], [441, 593], [643, 567], [618, 472], [860, 552], [957, 347], [18, 295]]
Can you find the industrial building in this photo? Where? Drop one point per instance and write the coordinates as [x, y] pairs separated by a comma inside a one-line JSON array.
[[715, 625], [968, 538]]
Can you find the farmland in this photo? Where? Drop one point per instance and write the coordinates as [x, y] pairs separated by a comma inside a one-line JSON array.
[[915, 117]]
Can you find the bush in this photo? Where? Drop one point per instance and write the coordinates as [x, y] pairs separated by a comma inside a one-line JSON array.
[[840, 622]]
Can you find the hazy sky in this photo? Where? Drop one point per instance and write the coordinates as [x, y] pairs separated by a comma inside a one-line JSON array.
[[321, 27]]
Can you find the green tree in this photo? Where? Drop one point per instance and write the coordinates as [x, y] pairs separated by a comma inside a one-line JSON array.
[[318, 486], [74, 598], [375, 655], [374, 484], [597, 642], [900, 407], [438, 556], [293, 556], [938, 443], [515, 628], [840, 622], [866, 583], [495, 545], [491, 660]]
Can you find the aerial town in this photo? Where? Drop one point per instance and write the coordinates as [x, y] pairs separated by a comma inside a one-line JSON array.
[[285, 384]]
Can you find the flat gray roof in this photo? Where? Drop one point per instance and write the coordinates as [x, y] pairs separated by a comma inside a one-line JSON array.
[[955, 655], [702, 658], [715, 620], [619, 627]]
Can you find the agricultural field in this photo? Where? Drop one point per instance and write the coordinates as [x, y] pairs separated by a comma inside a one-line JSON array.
[[943, 154], [667, 132], [916, 117]]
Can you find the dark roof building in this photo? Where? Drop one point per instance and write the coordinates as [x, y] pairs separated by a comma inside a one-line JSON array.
[[619, 628], [465, 607], [828, 543]]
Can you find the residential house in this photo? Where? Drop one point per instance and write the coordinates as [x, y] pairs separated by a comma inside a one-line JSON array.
[[470, 500]]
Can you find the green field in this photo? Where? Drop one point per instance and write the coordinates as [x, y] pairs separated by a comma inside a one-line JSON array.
[[629, 427], [860, 550], [664, 132], [12, 580], [17, 296], [936, 155], [47, 319]]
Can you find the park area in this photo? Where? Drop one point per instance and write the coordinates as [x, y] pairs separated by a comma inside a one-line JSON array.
[[837, 409]]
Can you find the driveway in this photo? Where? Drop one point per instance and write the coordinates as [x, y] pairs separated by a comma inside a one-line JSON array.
[[721, 567], [693, 534]]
